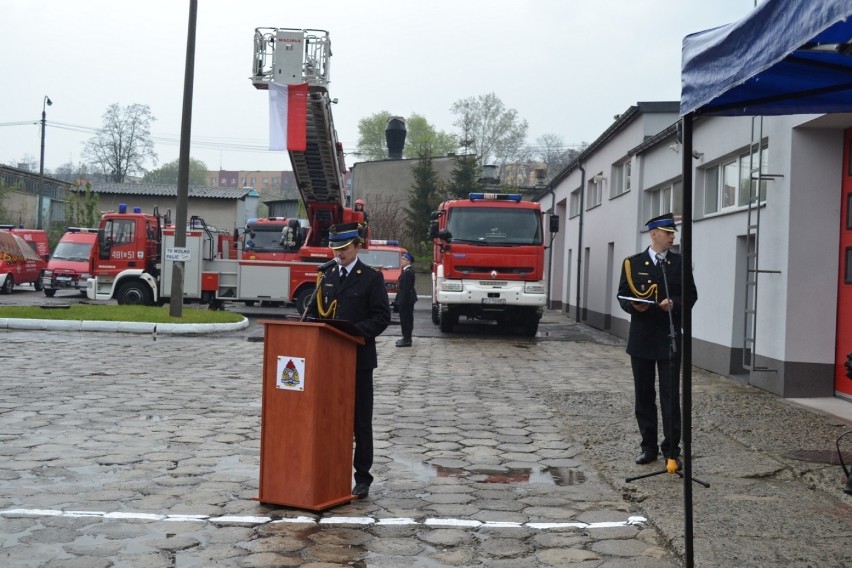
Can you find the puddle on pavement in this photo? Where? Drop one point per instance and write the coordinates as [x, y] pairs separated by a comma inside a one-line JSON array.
[[561, 476]]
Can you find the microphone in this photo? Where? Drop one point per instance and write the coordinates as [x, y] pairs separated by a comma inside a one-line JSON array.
[[326, 265]]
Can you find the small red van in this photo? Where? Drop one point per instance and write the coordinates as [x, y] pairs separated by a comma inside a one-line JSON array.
[[19, 263], [68, 267]]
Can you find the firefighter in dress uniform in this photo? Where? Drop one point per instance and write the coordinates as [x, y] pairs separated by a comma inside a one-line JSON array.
[[649, 342], [355, 292]]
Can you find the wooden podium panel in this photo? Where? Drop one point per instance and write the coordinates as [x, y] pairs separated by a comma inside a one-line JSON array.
[[306, 435]]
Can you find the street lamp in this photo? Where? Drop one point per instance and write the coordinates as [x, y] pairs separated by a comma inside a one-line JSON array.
[[47, 102]]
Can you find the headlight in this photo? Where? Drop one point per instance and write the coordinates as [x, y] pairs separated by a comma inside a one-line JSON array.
[[534, 288], [451, 286], [48, 273]]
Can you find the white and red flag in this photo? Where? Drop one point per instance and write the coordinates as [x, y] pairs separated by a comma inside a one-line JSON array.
[[288, 107]]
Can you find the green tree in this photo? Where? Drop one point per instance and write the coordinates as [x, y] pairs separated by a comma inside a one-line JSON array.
[[123, 144], [5, 190], [423, 198], [168, 173], [466, 173], [372, 144], [82, 208], [496, 134]]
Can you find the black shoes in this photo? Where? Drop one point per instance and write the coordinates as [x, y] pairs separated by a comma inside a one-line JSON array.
[[403, 343], [646, 457], [361, 490]]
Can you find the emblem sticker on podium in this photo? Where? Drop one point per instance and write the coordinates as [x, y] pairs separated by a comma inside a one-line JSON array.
[[291, 373]]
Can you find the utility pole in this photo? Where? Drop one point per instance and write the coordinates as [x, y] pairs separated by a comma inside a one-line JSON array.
[[39, 222], [176, 303]]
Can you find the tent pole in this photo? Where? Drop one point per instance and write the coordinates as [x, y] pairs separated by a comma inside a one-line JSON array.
[[686, 323]]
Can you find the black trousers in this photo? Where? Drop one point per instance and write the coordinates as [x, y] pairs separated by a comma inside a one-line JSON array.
[[406, 320], [644, 380], [363, 459]]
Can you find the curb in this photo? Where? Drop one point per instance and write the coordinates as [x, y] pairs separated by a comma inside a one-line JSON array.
[[121, 326]]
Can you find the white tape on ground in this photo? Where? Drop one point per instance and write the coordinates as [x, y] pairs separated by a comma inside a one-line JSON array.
[[254, 520]]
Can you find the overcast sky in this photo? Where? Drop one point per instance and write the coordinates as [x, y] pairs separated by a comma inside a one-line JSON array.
[[566, 66]]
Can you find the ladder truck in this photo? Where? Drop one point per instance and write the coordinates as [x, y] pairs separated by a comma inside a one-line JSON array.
[[284, 269]]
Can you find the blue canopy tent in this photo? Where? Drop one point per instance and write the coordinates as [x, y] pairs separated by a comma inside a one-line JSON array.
[[786, 57]]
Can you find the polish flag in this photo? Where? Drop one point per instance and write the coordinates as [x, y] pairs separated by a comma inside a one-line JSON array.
[[288, 108]]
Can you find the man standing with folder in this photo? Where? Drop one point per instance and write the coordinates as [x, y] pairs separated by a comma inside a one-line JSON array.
[[650, 291]]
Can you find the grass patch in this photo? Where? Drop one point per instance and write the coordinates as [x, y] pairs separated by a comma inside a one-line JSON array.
[[146, 314]]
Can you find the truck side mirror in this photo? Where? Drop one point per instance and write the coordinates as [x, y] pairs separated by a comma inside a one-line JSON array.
[[554, 223], [104, 245], [433, 229], [445, 235]]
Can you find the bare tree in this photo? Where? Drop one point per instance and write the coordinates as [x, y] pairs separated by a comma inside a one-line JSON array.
[[496, 133], [124, 143], [385, 215]]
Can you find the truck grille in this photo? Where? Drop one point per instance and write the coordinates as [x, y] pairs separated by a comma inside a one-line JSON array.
[[504, 270]]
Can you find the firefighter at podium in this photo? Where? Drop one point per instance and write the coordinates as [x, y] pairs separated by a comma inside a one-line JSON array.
[[355, 292]]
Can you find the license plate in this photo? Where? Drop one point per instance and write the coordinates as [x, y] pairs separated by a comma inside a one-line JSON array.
[[63, 278], [493, 300]]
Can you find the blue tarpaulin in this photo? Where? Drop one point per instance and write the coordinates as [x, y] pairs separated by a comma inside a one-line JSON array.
[[786, 57]]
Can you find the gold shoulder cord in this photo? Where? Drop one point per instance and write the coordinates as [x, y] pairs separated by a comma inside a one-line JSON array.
[[652, 289], [320, 309]]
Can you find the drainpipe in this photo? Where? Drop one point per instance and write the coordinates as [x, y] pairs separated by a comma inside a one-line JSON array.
[[580, 235], [550, 249]]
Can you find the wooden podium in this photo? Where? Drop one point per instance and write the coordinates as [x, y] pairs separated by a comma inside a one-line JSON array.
[[307, 414]]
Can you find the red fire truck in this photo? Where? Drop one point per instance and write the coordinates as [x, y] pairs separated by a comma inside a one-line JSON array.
[[488, 261], [281, 265]]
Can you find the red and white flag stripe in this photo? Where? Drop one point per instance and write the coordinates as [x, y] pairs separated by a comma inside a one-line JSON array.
[[288, 107]]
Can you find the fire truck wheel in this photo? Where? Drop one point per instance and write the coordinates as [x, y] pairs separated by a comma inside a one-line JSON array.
[[8, 285], [436, 316], [302, 297], [37, 284], [50, 292], [134, 292]]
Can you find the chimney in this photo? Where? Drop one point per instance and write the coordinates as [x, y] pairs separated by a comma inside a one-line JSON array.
[[395, 136]]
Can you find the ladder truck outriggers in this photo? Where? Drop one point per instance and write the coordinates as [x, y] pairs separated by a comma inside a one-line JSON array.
[[136, 268]]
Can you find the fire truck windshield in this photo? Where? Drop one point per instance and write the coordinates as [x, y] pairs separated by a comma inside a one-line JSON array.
[[495, 226], [383, 258], [263, 239]]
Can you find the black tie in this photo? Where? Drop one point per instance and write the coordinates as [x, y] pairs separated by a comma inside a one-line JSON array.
[[343, 273]]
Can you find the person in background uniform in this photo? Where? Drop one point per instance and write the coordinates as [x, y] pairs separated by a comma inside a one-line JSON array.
[[649, 342], [405, 298], [359, 207], [354, 292]]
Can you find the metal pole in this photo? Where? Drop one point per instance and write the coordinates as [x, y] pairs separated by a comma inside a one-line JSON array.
[[686, 349], [39, 222], [176, 301]]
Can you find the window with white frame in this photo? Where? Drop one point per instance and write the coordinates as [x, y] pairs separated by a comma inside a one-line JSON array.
[[574, 203], [729, 183], [664, 198], [620, 179], [594, 191]]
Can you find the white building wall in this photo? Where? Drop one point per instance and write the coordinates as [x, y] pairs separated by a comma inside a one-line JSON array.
[[798, 242]]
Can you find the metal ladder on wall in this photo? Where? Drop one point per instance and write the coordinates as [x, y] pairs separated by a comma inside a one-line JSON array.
[[756, 177]]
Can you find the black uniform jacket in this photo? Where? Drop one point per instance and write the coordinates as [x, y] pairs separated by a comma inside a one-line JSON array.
[[649, 330], [362, 300], [406, 294]]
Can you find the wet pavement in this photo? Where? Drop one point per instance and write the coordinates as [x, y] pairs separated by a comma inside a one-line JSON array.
[[492, 449]]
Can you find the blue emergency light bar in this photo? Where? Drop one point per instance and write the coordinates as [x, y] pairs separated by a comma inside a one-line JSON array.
[[516, 197], [384, 242], [81, 230]]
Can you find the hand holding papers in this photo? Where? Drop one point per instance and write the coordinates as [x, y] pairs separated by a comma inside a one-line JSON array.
[[640, 300]]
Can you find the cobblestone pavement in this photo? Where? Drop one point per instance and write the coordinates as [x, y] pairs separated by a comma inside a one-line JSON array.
[[134, 451]]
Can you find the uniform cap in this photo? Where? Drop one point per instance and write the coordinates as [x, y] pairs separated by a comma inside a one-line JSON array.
[[408, 256], [663, 222], [340, 236]]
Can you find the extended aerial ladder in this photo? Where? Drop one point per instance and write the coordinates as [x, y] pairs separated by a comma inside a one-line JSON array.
[[293, 57]]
